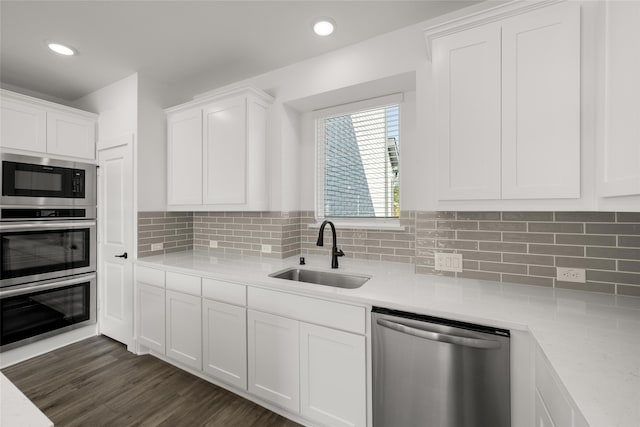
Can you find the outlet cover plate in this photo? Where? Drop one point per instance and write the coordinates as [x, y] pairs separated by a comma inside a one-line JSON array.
[[577, 275], [157, 246], [266, 249], [213, 243], [448, 262]]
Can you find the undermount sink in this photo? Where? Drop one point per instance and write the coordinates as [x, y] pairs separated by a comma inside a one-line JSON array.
[[325, 278]]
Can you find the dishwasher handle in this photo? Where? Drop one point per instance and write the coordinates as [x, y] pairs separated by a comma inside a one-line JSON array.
[[437, 336]]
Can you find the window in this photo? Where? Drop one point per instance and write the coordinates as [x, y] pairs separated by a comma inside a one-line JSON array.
[[358, 164]]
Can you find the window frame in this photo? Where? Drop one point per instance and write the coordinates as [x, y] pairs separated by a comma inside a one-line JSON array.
[[343, 109]]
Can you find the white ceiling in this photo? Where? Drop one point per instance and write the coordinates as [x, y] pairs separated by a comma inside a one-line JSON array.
[[193, 46]]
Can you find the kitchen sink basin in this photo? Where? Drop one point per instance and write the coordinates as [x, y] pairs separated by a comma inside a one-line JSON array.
[[325, 278]]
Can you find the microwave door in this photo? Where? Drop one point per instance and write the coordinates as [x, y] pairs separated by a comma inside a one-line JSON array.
[[37, 181]]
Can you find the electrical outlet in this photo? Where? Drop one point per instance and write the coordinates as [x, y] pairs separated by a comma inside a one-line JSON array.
[[571, 274], [448, 262], [213, 243], [266, 249], [157, 246]]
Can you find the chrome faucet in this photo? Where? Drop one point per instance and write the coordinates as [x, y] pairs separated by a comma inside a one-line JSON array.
[[335, 252]]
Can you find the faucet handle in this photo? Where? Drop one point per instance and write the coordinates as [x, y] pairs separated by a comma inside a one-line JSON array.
[[339, 252]]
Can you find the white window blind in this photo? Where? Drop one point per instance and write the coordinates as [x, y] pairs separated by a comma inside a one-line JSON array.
[[358, 164]]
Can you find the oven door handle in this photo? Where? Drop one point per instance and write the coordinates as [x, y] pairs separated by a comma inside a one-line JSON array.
[[46, 286], [47, 224]]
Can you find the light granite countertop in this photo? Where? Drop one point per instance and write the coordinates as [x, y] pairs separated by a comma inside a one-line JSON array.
[[591, 340], [16, 410]]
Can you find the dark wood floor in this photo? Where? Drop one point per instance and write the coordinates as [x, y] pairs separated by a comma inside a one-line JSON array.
[[96, 382]]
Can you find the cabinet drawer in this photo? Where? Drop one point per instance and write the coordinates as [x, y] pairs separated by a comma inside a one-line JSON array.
[[231, 293], [183, 283], [542, 417], [552, 393], [150, 276], [335, 315]]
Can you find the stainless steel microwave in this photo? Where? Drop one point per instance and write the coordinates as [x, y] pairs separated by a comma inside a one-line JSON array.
[[38, 181]]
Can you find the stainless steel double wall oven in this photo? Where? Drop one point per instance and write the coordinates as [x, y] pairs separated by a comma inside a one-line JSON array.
[[47, 248]]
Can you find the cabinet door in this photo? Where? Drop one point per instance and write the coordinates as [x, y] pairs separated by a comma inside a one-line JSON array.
[[466, 69], [150, 318], [274, 364], [542, 417], [70, 135], [23, 126], [333, 388], [541, 104], [184, 158], [225, 152], [551, 393], [619, 154], [224, 330], [184, 329]]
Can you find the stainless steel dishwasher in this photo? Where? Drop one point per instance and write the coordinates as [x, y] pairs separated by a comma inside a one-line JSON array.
[[433, 372]]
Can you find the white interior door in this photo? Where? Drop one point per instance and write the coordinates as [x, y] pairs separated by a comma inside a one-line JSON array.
[[115, 222]]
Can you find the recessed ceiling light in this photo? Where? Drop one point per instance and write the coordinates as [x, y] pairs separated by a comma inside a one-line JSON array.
[[61, 49], [323, 26]]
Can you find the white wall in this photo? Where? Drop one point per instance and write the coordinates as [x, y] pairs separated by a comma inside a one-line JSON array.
[[153, 97], [117, 106], [135, 105], [328, 77], [36, 94]]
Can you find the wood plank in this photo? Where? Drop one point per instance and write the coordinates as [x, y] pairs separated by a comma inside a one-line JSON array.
[[98, 382]]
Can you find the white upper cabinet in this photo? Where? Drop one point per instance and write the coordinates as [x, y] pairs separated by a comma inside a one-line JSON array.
[[467, 77], [217, 156], [39, 127], [225, 152], [23, 126], [619, 151], [508, 105], [184, 157], [541, 104], [70, 135]]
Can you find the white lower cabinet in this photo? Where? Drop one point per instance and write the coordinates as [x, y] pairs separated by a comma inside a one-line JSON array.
[[542, 417], [273, 355], [150, 316], [184, 328], [333, 388], [283, 357], [224, 345], [554, 406], [314, 370]]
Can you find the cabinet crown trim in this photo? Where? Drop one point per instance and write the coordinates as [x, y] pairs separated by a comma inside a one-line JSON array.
[[486, 16], [18, 97], [217, 95]]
